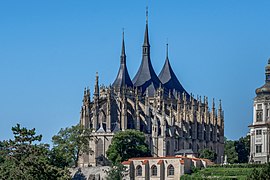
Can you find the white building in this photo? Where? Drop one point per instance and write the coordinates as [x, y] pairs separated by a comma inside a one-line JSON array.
[[259, 130], [162, 168]]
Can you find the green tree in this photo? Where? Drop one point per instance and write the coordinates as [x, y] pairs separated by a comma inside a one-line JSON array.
[[26, 158], [67, 145], [208, 154], [229, 150], [127, 144], [116, 172], [242, 147]]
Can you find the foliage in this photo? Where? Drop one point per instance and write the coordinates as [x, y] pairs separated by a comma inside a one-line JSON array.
[[220, 172], [117, 172], [26, 158], [237, 151], [260, 174], [79, 175], [242, 147], [245, 165], [229, 150], [208, 154], [127, 144], [67, 145]]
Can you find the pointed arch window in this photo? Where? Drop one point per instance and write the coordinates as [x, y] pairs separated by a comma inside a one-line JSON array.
[[170, 170], [167, 148], [154, 170], [99, 147], [139, 170]]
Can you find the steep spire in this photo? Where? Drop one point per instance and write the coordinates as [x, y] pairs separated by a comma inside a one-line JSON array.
[[146, 36], [123, 53], [167, 51], [123, 78], [146, 76], [169, 79], [96, 92]]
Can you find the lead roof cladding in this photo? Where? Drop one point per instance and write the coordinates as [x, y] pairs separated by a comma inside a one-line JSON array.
[[169, 79], [123, 78], [146, 76]]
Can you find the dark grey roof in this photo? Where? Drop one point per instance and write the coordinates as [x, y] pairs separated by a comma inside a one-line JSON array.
[[146, 76], [169, 79], [123, 78]]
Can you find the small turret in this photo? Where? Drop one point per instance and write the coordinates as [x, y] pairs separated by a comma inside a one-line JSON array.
[[96, 92], [163, 121], [213, 113], [220, 113], [108, 120], [85, 111]]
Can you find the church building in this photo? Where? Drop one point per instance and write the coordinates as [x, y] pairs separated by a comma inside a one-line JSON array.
[[158, 105]]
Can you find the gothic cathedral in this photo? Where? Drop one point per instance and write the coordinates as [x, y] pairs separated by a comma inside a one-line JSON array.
[[171, 118]]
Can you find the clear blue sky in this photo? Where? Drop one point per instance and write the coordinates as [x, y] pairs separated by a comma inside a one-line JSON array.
[[50, 50]]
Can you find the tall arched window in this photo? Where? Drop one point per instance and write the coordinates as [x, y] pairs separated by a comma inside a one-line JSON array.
[[168, 148], [139, 170], [190, 146], [99, 147], [170, 170], [154, 170]]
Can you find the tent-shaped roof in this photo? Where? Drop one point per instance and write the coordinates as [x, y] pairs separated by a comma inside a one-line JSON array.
[[146, 76], [123, 78], [169, 79]]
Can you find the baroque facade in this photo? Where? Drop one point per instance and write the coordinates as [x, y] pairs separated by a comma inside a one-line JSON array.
[[260, 127], [171, 118]]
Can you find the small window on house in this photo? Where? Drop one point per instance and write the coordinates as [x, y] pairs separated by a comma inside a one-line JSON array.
[[170, 170], [258, 148], [139, 170], [259, 132], [154, 170], [259, 106]]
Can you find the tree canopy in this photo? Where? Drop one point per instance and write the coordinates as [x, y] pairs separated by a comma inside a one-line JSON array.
[[242, 147], [208, 154], [24, 157], [69, 143], [127, 144], [237, 151]]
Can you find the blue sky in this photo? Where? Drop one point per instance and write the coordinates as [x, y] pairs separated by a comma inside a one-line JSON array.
[[50, 50]]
